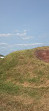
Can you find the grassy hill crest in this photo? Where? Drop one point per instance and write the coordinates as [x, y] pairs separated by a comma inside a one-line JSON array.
[[24, 82]]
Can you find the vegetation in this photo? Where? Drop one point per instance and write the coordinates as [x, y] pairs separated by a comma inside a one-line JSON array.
[[24, 82]]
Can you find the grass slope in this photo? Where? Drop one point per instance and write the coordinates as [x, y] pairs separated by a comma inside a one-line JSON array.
[[24, 82]]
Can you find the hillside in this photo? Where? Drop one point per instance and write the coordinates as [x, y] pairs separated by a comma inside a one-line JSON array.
[[24, 82]]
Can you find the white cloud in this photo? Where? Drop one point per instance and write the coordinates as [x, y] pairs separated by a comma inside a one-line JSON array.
[[13, 45], [25, 30], [10, 34], [33, 44], [27, 37], [23, 35], [3, 47], [1, 44], [6, 35]]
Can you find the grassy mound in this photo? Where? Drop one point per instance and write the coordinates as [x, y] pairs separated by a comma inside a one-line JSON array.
[[24, 82]]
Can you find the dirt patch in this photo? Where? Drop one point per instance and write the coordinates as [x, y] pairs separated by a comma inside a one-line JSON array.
[[43, 55]]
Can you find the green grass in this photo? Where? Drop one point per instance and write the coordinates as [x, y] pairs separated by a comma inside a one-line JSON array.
[[34, 80], [24, 82]]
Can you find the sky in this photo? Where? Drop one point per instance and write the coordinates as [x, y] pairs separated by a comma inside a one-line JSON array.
[[24, 24]]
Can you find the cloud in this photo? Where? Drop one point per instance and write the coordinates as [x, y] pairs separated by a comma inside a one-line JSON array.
[[13, 45], [3, 44], [25, 45], [18, 34], [23, 35], [6, 35], [27, 37], [33, 44]]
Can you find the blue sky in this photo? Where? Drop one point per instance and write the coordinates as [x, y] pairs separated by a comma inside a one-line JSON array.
[[24, 24]]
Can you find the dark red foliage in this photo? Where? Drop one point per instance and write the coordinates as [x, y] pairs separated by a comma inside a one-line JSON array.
[[43, 55]]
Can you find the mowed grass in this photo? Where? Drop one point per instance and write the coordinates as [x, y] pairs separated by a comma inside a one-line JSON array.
[[24, 82]]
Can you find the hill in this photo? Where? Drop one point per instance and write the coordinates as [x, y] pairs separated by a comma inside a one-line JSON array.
[[24, 82]]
